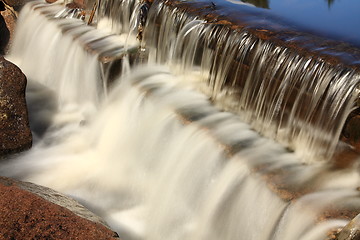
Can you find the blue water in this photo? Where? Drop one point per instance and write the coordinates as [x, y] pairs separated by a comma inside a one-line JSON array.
[[336, 19]]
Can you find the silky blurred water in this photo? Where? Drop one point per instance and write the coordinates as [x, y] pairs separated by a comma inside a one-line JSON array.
[[155, 158]]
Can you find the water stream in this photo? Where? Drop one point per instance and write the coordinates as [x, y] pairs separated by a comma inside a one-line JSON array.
[[300, 101], [152, 155]]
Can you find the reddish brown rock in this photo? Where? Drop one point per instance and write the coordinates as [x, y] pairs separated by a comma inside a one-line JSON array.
[[4, 31], [74, 5], [26, 215], [15, 133], [81, 3], [50, 1], [15, 3], [8, 34]]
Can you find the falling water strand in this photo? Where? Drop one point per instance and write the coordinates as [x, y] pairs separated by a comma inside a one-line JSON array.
[[115, 15], [301, 102], [161, 38], [53, 68]]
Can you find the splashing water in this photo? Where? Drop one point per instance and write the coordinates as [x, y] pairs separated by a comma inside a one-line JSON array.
[[155, 158]]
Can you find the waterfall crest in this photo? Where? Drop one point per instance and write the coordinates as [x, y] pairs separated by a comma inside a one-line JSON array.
[[300, 101]]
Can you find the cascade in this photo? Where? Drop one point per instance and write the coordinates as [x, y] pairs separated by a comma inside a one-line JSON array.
[[184, 133], [269, 84]]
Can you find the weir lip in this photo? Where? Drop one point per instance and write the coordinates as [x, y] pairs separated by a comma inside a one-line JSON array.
[[268, 29], [106, 45]]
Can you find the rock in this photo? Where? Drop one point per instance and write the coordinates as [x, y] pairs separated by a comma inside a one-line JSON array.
[[28, 211], [15, 133], [76, 4], [4, 31], [73, 5], [16, 4], [351, 131], [10, 21], [81, 3], [50, 1], [7, 34], [351, 231]]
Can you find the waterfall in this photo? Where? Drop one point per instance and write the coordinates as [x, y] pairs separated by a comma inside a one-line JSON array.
[[118, 15], [153, 156], [300, 101], [62, 71]]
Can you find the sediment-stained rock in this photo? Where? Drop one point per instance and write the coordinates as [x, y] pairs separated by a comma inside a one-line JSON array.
[[15, 133], [29, 211]]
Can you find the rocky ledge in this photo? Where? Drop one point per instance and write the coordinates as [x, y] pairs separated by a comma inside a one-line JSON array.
[[29, 211], [15, 133]]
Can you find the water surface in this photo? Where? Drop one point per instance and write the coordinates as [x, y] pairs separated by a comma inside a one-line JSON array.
[[335, 19]]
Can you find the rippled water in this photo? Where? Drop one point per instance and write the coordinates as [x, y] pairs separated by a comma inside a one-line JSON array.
[[337, 19]]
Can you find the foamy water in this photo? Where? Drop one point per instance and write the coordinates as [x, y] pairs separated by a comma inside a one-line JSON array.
[[157, 160]]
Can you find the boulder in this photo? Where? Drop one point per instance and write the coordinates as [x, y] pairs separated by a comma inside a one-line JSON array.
[[7, 29], [15, 133], [29, 211], [4, 31]]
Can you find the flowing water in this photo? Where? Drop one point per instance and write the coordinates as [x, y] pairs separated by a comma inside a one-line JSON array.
[[151, 154], [331, 18], [299, 101]]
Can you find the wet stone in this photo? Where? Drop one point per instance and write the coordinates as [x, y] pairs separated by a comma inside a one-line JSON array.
[[4, 31], [75, 5], [80, 3], [8, 30], [25, 214], [16, 3], [351, 231], [15, 133]]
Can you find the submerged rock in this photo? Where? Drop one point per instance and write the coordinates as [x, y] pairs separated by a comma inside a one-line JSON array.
[[15, 133], [29, 211]]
